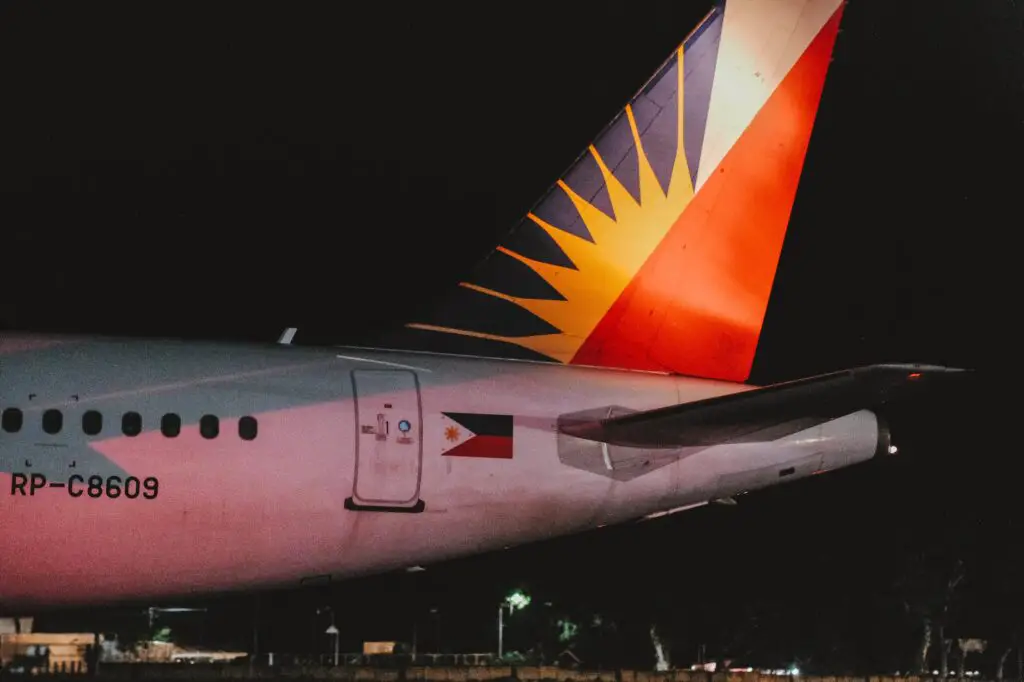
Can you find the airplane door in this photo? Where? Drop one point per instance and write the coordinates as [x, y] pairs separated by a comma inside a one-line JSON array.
[[389, 443]]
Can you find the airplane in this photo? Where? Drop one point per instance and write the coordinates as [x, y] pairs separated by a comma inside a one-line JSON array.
[[593, 370]]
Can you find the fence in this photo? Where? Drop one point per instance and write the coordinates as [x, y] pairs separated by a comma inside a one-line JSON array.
[[213, 673]]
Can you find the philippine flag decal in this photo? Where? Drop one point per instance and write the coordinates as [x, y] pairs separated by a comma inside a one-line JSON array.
[[476, 435]]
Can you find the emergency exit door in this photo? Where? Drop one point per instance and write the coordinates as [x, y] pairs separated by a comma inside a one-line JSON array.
[[389, 443]]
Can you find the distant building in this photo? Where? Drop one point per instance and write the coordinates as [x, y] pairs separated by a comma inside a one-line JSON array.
[[376, 648], [47, 652], [15, 626]]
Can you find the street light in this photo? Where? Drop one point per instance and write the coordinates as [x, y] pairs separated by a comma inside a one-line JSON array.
[[332, 631], [153, 611], [515, 601], [436, 612]]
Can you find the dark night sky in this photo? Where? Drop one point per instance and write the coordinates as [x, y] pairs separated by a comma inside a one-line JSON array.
[[226, 170]]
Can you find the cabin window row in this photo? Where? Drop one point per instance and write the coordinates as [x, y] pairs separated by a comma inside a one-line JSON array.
[[13, 419]]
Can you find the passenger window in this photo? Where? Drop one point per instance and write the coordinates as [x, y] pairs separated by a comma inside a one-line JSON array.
[[12, 420], [209, 426], [53, 421], [170, 425], [131, 424], [247, 428], [92, 423]]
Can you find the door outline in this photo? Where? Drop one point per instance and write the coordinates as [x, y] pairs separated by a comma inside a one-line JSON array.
[[387, 505]]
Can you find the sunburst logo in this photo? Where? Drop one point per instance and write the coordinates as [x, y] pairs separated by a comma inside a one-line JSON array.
[[451, 433], [606, 265]]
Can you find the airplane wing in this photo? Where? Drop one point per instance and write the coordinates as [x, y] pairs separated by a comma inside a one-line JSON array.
[[759, 414]]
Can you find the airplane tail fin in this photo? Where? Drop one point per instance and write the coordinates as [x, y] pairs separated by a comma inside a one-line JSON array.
[[657, 250]]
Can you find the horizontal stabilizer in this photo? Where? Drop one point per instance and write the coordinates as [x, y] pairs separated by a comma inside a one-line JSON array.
[[759, 414]]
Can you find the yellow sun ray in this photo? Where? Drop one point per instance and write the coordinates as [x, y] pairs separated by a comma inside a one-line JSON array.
[[606, 265]]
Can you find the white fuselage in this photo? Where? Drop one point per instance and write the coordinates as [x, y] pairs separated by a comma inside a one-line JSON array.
[[289, 505]]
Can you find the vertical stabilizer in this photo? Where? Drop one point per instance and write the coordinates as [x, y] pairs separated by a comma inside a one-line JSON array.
[[657, 250]]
